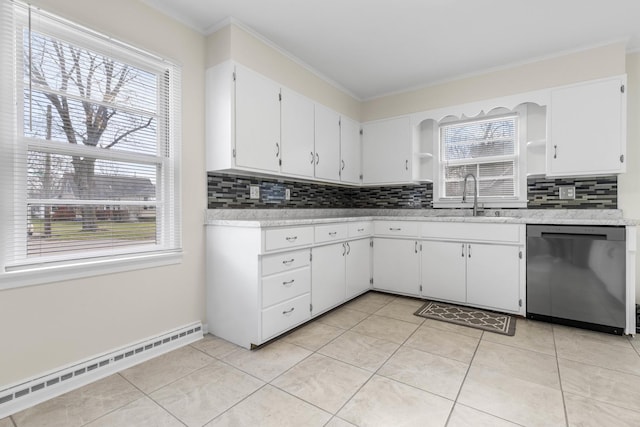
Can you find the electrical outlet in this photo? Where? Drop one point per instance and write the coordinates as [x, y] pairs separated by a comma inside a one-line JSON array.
[[567, 192], [254, 192], [287, 194]]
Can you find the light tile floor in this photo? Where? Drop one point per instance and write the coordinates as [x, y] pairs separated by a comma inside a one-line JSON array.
[[371, 363]]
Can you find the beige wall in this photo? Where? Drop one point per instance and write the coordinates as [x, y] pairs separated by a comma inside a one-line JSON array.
[[257, 55], [584, 65], [629, 183], [48, 326]]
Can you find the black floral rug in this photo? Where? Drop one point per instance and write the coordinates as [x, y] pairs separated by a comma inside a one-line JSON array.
[[467, 316]]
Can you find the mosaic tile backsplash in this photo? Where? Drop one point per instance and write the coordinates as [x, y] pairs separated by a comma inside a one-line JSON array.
[[226, 191]]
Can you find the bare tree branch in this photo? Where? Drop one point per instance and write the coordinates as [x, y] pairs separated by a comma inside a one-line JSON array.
[[129, 132]]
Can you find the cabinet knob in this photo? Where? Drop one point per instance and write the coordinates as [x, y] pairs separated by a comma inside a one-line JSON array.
[[288, 312], [555, 151], [277, 150], [288, 261], [406, 164], [291, 238], [317, 158], [342, 165], [312, 157]]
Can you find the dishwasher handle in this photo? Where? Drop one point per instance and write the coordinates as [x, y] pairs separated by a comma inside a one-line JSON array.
[[572, 236], [577, 232]]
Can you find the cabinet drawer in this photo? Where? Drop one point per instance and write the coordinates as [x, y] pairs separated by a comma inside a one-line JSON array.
[[282, 317], [286, 261], [396, 228], [281, 238], [464, 231], [330, 232], [360, 229], [284, 286]]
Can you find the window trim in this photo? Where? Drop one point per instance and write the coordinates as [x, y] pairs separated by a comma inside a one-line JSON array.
[[18, 271], [520, 198]]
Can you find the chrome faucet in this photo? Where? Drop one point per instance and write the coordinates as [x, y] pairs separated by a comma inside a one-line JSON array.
[[475, 192]]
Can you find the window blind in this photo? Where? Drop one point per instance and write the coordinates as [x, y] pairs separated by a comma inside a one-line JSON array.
[[486, 148], [90, 142]]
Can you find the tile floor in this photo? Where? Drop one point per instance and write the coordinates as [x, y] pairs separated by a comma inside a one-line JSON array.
[[371, 363]]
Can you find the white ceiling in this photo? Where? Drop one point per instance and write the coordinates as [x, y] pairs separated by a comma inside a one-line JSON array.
[[376, 47]]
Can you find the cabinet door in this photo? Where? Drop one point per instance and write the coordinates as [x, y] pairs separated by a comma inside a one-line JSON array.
[[387, 151], [257, 123], [350, 152], [327, 277], [588, 129], [327, 143], [358, 268], [443, 271], [396, 266], [297, 134], [493, 273]]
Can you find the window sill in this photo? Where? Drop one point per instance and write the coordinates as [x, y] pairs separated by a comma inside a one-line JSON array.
[[82, 269]]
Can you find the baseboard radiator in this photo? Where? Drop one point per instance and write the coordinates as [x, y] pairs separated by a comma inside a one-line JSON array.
[[44, 387]]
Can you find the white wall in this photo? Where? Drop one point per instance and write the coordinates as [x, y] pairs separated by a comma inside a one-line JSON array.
[[48, 326], [629, 183]]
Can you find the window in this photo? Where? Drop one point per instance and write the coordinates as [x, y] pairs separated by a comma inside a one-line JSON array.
[[488, 148], [90, 143]]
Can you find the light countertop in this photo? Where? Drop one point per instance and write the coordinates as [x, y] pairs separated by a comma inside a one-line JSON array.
[[292, 217]]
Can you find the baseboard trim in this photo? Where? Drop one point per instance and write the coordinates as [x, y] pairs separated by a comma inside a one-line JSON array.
[[30, 392]]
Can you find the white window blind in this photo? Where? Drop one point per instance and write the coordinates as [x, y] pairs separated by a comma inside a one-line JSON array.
[[486, 148], [90, 144]]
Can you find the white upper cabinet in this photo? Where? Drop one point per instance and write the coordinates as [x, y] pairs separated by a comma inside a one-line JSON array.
[[588, 129], [298, 155], [242, 120], [387, 151], [350, 152], [257, 127], [327, 144]]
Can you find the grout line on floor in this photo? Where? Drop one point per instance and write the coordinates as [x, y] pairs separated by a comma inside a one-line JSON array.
[[148, 395], [564, 404], [13, 421], [455, 401]]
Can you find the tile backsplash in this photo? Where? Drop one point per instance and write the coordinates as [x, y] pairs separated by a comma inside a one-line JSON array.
[[227, 191]]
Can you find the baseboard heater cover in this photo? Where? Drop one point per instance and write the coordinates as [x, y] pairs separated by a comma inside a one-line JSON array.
[[37, 390]]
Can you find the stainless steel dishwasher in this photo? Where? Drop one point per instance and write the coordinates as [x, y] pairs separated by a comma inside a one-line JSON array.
[[576, 276]]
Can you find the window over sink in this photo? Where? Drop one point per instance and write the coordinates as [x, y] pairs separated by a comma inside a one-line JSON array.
[[487, 152]]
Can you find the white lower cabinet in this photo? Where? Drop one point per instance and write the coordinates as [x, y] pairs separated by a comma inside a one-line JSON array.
[[444, 271], [485, 275], [396, 266], [493, 276], [284, 316], [328, 277], [339, 272], [358, 267], [264, 281]]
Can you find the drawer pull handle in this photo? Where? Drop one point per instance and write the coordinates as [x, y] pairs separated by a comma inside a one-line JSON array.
[[289, 283], [333, 233], [360, 230], [292, 238], [288, 261], [288, 312], [395, 229]]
